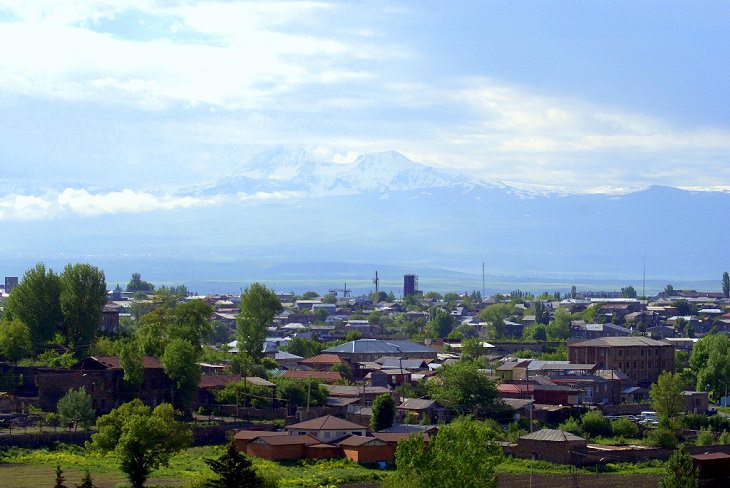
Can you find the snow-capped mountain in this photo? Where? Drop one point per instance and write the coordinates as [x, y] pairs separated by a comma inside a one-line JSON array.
[[299, 171]]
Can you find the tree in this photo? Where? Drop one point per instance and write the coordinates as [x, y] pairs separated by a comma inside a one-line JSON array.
[[234, 470], [259, 306], [464, 454], [131, 361], [624, 427], [666, 395], [472, 348], [137, 284], [141, 438], [461, 387], [669, 290], [595, 424], [710, 364], [193, 322], [296, 392], [15, 340], [76, 408], [86, 481], [680, 471], [383, 412], [310, 295], [542, 315], [35, 302], [628, 292], [440, 324], [83, 295], [726, 284], [59, 478], [304, 347], [559, 328], [495, 315], [179, 362]]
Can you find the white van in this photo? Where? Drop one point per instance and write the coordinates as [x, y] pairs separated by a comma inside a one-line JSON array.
[[649, 415]]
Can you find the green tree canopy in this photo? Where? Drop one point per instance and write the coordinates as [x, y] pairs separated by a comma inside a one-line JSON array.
[[180, 363], [440, 324], [83, 295], [138, 284], [726, 284], [141, 438], [710, 363], [383, 412], [303, 347], [464, 454], [494, 316], [76, 408], [233, 470], [193, 321], [462, 388], [35, 302], [15, 340], [680, 471], [259, 306], [296, 392], [131, 361], [666, 395]]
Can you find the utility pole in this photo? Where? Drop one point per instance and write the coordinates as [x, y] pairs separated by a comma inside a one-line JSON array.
[[643, 281]]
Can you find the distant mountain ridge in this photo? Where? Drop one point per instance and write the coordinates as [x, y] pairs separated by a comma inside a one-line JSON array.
[[299, 171]]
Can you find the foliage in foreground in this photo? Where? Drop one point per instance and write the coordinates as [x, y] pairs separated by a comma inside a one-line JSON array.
[[143, 439], [464, 454]]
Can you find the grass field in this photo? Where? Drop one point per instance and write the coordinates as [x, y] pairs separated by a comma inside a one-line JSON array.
[[20, 468]]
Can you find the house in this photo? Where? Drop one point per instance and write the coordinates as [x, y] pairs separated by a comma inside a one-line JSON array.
[[390, 377], [641, 358], [713, 469], [110, 318], [209, 384], [243, 437], [361, 449], [323, 362], [365, 394], [555, 446], [583, 331], [696, 401], [280, 447], [326, 429], [513, 370], [422, 408], [363, 350], [103, 379]]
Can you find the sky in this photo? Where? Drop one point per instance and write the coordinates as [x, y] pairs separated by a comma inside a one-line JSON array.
[[105, 103]]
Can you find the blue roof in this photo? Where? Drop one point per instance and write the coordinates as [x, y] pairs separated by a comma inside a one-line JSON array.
[[379, 346]]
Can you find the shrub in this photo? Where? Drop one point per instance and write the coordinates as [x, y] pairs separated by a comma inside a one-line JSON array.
[[624, 427], [571, 425], [705, 437], [595, 424], [661, 437]]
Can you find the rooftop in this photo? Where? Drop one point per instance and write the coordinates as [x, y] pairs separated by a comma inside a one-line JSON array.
[[619, 342], [552, 435], [376, 346], [328, 422]]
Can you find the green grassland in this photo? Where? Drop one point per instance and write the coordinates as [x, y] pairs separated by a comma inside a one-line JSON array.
[[23, 468]]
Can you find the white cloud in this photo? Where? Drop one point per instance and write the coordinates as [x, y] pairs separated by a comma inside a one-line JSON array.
[[73, 201], [236, 56]]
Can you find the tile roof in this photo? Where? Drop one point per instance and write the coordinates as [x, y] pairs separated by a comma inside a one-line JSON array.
[[552, 435], [323, 359], [359, 440], [253, 434], [354, 391], [328, 422], [288, 440]]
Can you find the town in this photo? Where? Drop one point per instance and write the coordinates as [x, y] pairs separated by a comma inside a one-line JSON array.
[[584, 379]]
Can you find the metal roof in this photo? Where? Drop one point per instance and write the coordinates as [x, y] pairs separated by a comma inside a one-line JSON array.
[[619, 342], [552, 435], [378, 346]]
